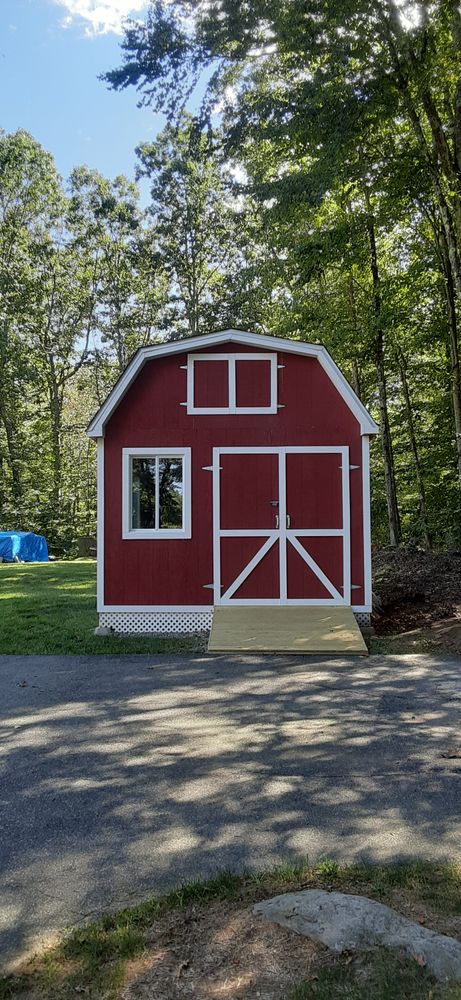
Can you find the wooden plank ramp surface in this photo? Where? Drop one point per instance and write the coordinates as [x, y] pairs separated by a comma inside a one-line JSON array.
[[285, 629]]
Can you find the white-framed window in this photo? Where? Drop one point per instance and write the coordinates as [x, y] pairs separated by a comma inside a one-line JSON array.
[[156, 493], [232, 383]]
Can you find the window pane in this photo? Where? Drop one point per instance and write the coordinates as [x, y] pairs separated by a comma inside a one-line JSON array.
[[143, 492], [170, 492]]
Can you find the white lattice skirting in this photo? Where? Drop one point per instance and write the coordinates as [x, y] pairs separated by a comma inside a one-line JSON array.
[[172, 622], [363, 618], [155, 622]]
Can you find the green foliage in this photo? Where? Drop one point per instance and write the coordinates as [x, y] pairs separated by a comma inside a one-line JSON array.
[[316, 194], [328, 867], [345, 122], [86, 278], [199, 231]]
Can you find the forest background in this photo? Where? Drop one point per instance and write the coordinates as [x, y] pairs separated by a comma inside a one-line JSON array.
[[314, 193]]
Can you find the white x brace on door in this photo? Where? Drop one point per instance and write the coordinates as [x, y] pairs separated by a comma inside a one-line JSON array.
[[281, 526]]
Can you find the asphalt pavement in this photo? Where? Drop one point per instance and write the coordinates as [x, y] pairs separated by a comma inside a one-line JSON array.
[[123, 776]]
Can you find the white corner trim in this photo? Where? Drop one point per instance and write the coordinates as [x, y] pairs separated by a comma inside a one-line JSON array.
[[367, 424], [346, 506], [156, 533], [366, 514], [216, 526], [231, 359], [100, 524]]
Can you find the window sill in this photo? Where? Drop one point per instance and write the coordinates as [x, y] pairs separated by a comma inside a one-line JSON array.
[[165, 533], [234, 410]]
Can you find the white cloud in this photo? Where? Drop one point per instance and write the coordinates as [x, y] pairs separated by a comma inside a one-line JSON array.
[[100, 17]]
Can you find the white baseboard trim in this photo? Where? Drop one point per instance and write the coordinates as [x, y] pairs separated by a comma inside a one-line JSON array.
[[186, 621]]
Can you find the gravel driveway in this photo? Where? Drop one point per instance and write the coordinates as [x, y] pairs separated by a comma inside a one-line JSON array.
[[121, 776]]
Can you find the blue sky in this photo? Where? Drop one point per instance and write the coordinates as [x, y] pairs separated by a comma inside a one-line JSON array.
[[51, 52]]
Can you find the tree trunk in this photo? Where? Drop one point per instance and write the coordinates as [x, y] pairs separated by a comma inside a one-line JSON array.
[[355, 379], [7, 417], [355, 373], [119, 346], [386, 444], [55, 396], [14, 460], [455, 373], [385, 430], [415, 453]]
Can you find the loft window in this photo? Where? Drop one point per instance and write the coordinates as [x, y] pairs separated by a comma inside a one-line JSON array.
[[156, 493], [232, 383]]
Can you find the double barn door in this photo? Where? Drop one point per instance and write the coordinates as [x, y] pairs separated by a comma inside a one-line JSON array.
[[281, 526]]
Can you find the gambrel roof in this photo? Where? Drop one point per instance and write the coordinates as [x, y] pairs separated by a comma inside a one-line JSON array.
[[367, 424]]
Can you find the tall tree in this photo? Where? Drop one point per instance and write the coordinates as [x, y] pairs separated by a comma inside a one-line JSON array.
[[396, 59], [107, 224], [281, 71], [60, 324], [30, 203], [193, 223]]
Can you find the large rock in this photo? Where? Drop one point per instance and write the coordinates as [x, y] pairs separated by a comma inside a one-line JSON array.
[[346, 922]]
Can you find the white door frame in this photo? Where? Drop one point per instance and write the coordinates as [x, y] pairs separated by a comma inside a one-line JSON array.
[[283, 533]]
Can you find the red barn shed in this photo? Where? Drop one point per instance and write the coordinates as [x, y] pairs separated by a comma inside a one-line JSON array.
[[233, 471]]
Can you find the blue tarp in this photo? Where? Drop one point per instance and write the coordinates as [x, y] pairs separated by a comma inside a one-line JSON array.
[[23, 545]]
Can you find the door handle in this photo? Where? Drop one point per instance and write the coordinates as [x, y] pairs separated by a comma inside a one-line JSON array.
[[288, 520], [277, 521]]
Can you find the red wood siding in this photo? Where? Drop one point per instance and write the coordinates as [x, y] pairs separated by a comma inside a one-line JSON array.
[[174, 572], [263, 581], [302, 581], [253, 383], [314, 490], [211, 384], [248, 483]]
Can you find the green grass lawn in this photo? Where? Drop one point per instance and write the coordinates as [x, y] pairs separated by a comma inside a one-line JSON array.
[[51, 608]]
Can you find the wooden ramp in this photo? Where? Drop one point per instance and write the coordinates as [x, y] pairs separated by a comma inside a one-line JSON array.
[[285, 629]]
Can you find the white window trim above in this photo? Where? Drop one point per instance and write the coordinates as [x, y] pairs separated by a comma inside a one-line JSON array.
[[231, 360], [156, 533]]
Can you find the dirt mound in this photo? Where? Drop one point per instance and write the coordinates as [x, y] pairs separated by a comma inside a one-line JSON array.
[[413, 588], [220, 951]]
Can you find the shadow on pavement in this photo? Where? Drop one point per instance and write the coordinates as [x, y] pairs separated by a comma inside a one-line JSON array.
[[121, 776]]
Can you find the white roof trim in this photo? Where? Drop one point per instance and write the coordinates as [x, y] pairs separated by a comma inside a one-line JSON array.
[[367, 424]]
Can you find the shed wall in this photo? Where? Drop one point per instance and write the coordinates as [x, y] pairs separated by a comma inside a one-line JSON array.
[[162, 572]]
